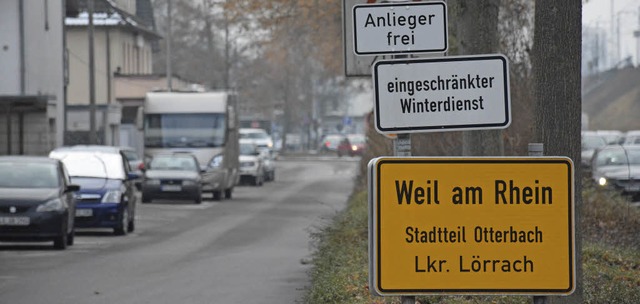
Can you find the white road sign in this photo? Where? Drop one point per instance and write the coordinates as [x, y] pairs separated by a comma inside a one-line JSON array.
[[442, 94], [396, 28]]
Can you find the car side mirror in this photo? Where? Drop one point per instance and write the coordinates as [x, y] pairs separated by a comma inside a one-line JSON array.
[[72, 188]]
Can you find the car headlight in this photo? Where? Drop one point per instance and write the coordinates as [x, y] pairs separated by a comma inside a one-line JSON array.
[[52, 205], [602, 181], [112, 196]]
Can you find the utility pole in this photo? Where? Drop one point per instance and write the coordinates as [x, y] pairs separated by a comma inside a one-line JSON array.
[[93, 138], [168, 41]]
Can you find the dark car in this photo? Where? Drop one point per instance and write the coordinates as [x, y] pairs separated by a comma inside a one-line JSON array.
[[37, 202], [172, 176], [618, 167], [107, 197]]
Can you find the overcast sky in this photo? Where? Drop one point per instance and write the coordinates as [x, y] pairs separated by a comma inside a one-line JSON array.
[[597, 13]]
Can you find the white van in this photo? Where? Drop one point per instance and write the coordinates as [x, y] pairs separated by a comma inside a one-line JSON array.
[[202, 123]]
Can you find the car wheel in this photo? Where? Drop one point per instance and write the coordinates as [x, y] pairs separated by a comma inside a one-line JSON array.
[[122, 229], [217, 195], [198, 199], [61, 241], [145, 199], [228, 193], [254, 180]]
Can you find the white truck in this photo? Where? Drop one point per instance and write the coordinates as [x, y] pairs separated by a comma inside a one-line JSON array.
[[202, 123]]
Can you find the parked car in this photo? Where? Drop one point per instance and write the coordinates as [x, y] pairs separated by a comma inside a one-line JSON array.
[[172, 176], [259, 137], [251, 164], [618, 167], [632, 138], [590, 141], [107, 193], [37, 201]]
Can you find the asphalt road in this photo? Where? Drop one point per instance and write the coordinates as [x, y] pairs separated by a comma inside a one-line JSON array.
[[254, 248]]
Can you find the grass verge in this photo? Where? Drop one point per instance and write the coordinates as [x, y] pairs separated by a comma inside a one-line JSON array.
[[611, 256]]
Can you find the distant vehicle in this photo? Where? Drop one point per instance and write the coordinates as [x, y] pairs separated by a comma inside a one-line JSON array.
[[590, 141], [618, 167], [251, 164], [37, 201], [358, 143], [172, 176], [611, 137], [632, 138], [107, 192], [260, 137], [204, 124], [330, 143]]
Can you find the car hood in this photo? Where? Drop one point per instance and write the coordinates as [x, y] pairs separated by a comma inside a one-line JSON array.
[[622, 172], [171, 174], [88, 184], [26, 195]]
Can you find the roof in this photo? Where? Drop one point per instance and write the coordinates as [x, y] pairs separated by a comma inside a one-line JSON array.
[[91, 148], [106, 13], [28, 158]]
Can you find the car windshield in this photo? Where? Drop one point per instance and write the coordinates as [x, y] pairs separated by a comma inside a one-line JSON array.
[[254, 135], [28, 175], [612, 157], [175, 163], [247, 149], [194, 130], [356, 139], [93, 164]]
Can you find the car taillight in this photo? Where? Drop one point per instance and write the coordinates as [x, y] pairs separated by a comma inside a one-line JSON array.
[[141, 166]]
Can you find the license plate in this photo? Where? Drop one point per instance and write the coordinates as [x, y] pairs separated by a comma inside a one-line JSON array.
[[14, 221], [84, 212], [171, 188]]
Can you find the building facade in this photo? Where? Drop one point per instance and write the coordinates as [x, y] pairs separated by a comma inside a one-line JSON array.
[[123, 45], [32, 80]]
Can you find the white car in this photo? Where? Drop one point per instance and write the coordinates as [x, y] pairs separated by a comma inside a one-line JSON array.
[[259, 137], [251, 164]]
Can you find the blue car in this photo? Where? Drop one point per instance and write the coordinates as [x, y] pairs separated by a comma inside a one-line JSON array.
[[107, 192]]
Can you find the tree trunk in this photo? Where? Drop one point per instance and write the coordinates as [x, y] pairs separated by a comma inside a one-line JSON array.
[[477, 31], [556, 62]]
